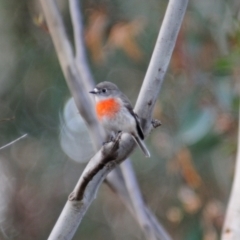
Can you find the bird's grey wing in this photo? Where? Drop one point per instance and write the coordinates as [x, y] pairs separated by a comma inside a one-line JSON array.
[[139, 128], [128, 105]]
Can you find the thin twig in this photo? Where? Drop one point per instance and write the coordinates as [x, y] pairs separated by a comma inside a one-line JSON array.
[[13, 142], [7, 119]]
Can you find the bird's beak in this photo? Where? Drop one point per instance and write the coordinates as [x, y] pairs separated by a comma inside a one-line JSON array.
[[94, 91]]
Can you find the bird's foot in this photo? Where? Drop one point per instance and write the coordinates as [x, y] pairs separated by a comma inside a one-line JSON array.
[[113, 138], [110, 139], [118, 136]]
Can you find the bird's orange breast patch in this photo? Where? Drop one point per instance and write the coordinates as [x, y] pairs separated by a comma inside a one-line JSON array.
[[107, 108]]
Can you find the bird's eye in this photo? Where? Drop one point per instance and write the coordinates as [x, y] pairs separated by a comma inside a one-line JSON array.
[[104, 90]]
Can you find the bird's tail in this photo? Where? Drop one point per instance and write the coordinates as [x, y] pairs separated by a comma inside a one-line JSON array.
[[142, 145]]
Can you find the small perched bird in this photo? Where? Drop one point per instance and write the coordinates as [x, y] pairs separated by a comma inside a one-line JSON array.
[[115, 113]]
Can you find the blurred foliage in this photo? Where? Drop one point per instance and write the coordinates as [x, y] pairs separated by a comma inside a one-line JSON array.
[[186, 182]]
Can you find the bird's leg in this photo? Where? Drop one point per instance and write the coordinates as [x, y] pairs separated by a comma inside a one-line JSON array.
[[113, 137], [118, 136], [110, 138]]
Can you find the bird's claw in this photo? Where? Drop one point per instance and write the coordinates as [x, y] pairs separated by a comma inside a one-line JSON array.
[[113, 138]]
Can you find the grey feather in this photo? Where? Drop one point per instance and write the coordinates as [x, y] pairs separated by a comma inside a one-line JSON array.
[[142, 146], [128, 105]]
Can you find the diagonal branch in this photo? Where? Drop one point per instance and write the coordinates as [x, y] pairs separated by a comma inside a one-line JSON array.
[[75, 209], [71, 72], [160, 58], [146, 222], [144, 215], [81, 59], [66, 58], [63, 48]]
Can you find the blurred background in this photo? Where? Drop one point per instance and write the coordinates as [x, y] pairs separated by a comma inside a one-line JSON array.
[[188, 178]]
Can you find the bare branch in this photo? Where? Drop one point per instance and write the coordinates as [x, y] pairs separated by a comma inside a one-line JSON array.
[[113, 153], [231, 229], [116, 185], [81, 59], [108, 155], [13, 142], [63, 49], [147, 220], [86, 189], [68, 65], [53, 21], [160, 58], [156, 123], [116, 178]]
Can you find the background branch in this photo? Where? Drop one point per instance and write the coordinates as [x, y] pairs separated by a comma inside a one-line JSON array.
[[69, 68], [81, 59], [153, 231], [231, 229]]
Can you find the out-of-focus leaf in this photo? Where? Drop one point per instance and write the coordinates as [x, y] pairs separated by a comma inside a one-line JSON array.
[[187, 168], [197, 126], [222, 167], [195, 231], [75, 140], [95, 33], [223, 66], [224, 92], [122, 36], [190, 199], [174, 214]]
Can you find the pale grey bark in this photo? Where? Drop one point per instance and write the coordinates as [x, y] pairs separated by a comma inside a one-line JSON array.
[[117, 184], [81, 60], [69, 67], [231, 228], [111, 154], [147, 220]]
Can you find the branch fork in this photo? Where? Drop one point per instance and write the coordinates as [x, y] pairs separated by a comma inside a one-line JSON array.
[[107, 159], [111, 154]]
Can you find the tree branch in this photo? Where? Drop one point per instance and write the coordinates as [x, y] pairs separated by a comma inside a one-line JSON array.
[[69, 68], [113, 153], [81, 60], [160, 58], [62, 44], [117, 185], [153, 230], [231, 229]]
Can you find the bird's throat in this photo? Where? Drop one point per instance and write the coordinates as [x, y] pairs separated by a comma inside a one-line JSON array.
[[107, 108]]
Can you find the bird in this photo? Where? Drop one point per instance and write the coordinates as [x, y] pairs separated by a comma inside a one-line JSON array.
[[115, 113]]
